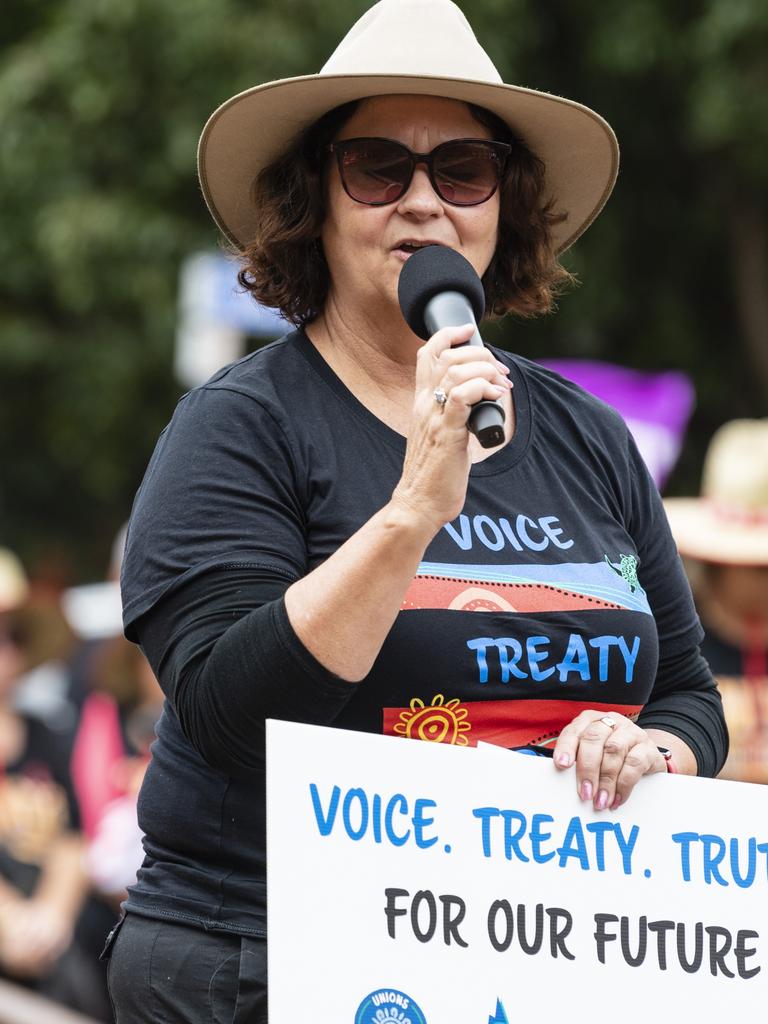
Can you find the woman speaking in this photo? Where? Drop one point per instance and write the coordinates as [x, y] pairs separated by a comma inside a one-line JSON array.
[[319, 537]]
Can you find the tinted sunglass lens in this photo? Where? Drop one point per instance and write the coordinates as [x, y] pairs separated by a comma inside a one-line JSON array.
[[375, 171], [467, 173]]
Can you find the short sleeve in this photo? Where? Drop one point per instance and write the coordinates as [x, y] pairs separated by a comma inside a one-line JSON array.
[[221, 490]]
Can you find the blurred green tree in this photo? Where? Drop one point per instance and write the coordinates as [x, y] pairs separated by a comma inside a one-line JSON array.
[[102, 102]]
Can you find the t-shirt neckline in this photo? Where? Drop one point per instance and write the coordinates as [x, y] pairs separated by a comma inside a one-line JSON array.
[[496, 463]]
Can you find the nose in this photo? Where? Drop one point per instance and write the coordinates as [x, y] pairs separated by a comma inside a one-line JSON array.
[[420, 200]]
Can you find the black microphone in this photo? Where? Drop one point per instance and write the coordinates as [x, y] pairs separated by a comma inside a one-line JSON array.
[[439, 288]]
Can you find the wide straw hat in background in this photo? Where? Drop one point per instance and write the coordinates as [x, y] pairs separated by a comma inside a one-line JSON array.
[[13, 581], [728, 524], [423, 47]]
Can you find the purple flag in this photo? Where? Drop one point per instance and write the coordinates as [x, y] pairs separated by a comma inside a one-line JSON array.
[[655, 406]]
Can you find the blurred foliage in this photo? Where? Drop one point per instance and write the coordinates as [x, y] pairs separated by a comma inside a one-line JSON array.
[[102, 102]]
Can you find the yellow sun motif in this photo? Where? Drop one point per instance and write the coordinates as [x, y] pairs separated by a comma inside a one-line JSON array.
[[439, 722]]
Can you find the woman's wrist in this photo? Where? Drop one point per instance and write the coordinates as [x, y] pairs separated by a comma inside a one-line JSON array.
[[669, 760], [404, 515], [682, 757]]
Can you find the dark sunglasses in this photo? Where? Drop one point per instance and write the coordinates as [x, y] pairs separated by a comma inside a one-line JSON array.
[[463, 172]]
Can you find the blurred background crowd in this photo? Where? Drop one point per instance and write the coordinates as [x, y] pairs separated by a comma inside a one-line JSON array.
[[115, 297]]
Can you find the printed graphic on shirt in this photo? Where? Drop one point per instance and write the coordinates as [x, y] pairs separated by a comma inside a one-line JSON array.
[[569, 586], [525, 659], [439, 722], [496, 534], [627, 569], [506, 723], [607, 658]]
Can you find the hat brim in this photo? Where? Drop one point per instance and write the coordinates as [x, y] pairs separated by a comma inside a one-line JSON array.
[[702, 534], [250, 130]]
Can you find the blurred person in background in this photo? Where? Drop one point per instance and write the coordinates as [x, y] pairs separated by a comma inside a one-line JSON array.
[[723, 535], [292, 552], [45, 690], [118, 702], [110, 756], [42, 880], [117, 694]]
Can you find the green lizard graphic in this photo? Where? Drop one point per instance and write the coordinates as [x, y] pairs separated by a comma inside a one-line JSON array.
[[627, 569]]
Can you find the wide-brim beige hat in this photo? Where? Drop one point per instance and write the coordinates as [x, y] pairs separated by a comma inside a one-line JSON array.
[[423, 47], [728, 524]]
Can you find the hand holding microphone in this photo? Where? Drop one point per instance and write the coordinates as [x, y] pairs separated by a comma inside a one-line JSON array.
[[439, 288], [438, 459]]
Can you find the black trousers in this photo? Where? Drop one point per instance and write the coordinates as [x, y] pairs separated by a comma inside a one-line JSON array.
[[160, 972]]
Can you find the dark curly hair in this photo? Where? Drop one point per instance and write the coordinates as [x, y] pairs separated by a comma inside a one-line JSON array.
[[284, 266]]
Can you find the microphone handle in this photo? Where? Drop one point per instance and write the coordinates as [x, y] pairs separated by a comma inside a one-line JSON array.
[[452, 309]]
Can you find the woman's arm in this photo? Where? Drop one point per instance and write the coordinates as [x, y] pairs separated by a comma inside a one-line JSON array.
[[685, 709], [232, 646], [344, 609]]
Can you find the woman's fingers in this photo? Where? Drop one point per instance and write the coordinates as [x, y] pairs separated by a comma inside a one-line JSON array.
[[446, 338], [447, 347], [444, 341], [465, 374], [615, 748], [642, 759], [567, 744], [463, 396], [461, 372], [610, 754], [596, 767], [450, 379], [466, 384], [468, 353]]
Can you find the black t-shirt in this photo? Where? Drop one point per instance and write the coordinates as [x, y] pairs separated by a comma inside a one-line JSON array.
[[557, 588]]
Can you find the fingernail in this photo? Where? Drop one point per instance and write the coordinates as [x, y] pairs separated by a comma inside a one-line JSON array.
[[586, 790], [602, 800], [563, 760], [502, 367], [501, 390], [616, 802]]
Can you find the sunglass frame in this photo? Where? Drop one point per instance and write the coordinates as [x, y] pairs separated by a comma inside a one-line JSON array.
[[502, 151]]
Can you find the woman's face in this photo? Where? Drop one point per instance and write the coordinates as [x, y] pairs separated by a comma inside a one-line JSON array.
[[362, 244]]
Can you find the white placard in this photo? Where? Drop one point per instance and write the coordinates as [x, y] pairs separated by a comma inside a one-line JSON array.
[[416, 883]]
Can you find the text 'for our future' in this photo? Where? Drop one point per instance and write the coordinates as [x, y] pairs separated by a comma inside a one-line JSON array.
[[508, 835]]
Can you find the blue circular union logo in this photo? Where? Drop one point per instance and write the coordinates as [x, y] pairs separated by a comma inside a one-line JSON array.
[[388, 1006]]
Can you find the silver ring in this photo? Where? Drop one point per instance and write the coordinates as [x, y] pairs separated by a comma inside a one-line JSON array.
[[441, 398], [610, 722]]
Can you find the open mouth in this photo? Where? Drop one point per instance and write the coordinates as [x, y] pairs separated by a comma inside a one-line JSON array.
[[406, 249]]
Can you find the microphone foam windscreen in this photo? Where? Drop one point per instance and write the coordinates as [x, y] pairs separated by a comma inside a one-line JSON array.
[[430, 271]]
